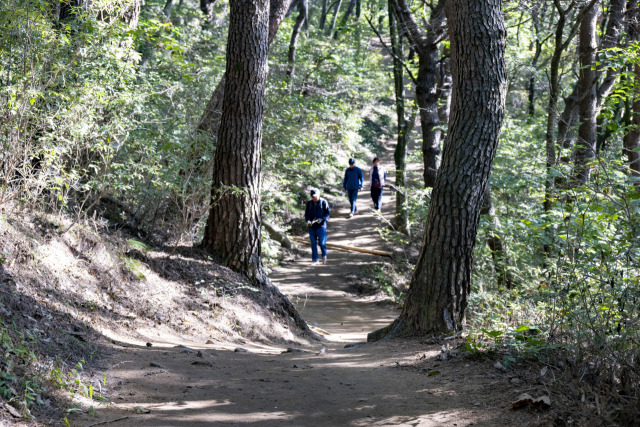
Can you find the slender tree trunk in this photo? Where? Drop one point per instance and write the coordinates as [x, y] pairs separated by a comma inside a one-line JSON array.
[[427, 48], [615, 28], [345, 18], [586, 146], [560, 45], [233, 227], [441, 282], [497, 246], [168, 9], [537, 44], [302, 13], [400, 153], [205, 7], [323, 14], [632, 139], [336, 10], [444, 90]]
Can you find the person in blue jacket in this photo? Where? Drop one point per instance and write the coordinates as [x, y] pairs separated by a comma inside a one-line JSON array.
[[317, 214], [352, 182]]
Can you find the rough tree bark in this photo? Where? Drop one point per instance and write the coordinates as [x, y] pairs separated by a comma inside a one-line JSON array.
[[440, 285], [586, 145], [427, 46], [233, 227], [210, 120]]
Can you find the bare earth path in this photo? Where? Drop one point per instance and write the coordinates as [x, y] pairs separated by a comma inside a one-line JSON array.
[[379, 384]]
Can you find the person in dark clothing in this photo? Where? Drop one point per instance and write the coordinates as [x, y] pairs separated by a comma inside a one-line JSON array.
[[377, 178], [317, 214], [352, 182]]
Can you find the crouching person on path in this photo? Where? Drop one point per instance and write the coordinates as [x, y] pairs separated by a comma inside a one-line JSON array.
[[377, 178], [317, 214], [352, 182]]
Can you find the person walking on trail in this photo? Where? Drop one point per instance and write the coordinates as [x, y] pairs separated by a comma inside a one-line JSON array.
[[317, 214], [377, 178], [352, 182]]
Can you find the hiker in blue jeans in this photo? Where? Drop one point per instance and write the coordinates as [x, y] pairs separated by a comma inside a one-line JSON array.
[[317, 214], [352, 182]]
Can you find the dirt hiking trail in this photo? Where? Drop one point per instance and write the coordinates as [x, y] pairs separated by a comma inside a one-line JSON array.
[[341, 381]]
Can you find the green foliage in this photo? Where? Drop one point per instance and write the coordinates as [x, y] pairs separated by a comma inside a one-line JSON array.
[[24, 377]]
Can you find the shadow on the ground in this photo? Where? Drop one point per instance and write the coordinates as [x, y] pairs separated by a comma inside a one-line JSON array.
[[355, 386]]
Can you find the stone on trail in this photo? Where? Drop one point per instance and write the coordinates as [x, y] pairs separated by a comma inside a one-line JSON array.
[[157, 365], [241, 350]]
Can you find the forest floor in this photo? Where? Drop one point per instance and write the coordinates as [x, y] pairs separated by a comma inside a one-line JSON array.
[[338, 381], [172, 339]]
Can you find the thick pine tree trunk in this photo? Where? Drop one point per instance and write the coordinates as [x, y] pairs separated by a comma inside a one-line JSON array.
[[586, 145], [210, 120], [441, 282], [233, 228]]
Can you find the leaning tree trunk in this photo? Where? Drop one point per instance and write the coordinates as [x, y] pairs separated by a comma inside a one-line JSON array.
[[441, 282], [400, 153], [334, 21], [586, 145], [302, 13], [345, 18], [427, 48], [233, 228]]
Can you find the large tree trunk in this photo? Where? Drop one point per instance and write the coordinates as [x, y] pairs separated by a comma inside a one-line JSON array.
[[233, 228], [400, 153], [441, 282], [427, 46], [586, 146], [632, 139], [210, 120]]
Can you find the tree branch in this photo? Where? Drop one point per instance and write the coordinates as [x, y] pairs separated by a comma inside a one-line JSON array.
[[388, 49]]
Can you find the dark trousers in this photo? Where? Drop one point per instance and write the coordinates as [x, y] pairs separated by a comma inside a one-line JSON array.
[[353, 196], [318, 236], [376, 196]]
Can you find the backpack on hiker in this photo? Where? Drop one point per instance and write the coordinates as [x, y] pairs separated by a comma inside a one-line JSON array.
[[375, 179]]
